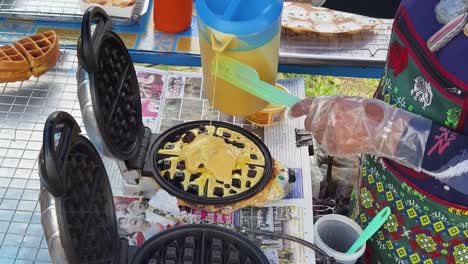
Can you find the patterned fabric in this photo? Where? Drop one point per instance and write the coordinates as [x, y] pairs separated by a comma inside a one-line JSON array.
[[429, 221], [419, 229], [406, 86]]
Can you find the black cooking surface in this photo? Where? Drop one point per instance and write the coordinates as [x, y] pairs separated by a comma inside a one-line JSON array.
[[173, 187], [117, 97], [87, 206], [199, 244]]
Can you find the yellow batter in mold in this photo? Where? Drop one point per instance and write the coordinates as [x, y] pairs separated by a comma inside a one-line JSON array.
[[216, 162], [218, 157]]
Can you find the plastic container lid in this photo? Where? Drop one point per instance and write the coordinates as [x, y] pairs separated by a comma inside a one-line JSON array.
[[239, 17]]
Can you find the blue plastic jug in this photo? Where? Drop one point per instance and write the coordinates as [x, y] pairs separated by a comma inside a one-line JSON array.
[[246, 30]]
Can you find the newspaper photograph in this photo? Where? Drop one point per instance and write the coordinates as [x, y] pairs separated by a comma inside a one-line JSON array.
[[282, 219], [138, 221], [132, 222]]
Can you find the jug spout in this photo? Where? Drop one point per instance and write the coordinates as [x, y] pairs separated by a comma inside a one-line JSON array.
[[221, 41], [247, 31]]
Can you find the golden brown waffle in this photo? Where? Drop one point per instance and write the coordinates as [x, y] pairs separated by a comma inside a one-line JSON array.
[[100, 2], [13, 65], [41, 50], [203, 183], [123, 3]]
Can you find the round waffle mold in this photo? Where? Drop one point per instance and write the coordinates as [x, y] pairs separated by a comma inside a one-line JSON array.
[[114, 86], [86, 210], [72, 171], [199, 244], [172, 187], [116, 98]]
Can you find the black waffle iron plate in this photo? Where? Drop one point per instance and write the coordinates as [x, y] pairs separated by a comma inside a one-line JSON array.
[[79, 220], [111, 108], [76, 197]]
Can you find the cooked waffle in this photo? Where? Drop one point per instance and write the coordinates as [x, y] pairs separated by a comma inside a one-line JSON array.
[[100, 2], [303, 17], [246, 174], [13, 65], [123, 3], [117, 3], [41, 50]]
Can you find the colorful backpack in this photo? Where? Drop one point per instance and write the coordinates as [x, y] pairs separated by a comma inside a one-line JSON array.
[[429, 221]]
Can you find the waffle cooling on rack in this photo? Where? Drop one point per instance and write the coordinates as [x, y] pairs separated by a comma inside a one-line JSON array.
[[41, 51], [13, 65], [32, 55]]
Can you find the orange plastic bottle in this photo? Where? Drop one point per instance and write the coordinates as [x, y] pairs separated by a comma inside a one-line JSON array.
[[172, 15]]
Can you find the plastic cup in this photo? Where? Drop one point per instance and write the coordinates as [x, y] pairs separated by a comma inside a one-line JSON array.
[[335, 234], [271, 115], [172, 16]]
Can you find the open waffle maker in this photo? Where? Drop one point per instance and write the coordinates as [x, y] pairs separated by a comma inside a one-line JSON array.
[[111, 107], [79, 220]]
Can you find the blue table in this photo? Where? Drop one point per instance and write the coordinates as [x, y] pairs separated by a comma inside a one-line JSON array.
[[357, 55]]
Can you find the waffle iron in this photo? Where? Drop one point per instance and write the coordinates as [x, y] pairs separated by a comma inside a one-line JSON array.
[[111, 108], [79, 221]]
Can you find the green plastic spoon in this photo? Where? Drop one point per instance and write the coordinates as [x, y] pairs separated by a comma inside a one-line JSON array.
[[376, 223], [246, 78]]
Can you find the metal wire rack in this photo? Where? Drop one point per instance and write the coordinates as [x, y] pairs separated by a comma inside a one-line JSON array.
[[363, 46], [24, 106], [56, 10]]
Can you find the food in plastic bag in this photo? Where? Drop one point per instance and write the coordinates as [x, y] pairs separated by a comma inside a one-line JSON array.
[[345, 126]]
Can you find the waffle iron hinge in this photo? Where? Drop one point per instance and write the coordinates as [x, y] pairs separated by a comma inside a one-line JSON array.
[[138, 161], [304, 139], [124, 256]]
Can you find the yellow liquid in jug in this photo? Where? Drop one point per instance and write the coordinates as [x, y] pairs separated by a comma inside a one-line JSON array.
[[230, 99]]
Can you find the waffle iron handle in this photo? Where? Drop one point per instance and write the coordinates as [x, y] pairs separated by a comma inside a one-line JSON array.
[[88, 45], [59, 131]]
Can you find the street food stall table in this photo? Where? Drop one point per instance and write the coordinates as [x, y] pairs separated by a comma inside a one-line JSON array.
[[24, 106], [354, 55]]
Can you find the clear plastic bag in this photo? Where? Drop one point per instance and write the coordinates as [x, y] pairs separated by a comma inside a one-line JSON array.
[[446, 10], [346, 126]]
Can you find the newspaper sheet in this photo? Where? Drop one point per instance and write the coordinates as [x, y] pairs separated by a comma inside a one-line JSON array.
[[171, 98]]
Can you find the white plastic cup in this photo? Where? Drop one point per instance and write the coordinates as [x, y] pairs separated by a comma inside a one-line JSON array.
[[335, 234]]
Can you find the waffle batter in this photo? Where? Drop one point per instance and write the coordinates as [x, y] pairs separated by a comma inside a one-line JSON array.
[[218, 157], [212, 162]]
